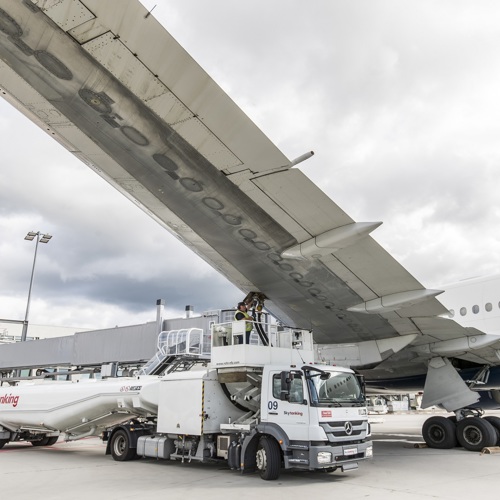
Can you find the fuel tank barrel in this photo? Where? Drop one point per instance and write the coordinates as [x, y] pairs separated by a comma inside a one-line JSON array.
[[77, 407]]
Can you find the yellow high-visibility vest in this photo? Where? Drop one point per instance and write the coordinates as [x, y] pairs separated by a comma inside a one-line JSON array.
[[248, 319]]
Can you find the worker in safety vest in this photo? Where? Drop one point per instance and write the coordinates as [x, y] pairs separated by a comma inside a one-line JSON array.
[[242, 315]]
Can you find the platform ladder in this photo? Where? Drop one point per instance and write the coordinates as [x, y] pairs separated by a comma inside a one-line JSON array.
[[178, 350]]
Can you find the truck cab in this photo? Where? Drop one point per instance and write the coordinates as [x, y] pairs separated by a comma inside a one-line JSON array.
[[321, 406]]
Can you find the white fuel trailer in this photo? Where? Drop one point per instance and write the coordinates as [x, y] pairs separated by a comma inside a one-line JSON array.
[[258, 407]]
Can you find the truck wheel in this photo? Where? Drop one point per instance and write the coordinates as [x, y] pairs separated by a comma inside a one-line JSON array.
[[41, 442], [52, 440], [120, 447], [268, 458], [439, 432], [3, 442], [45, 441]]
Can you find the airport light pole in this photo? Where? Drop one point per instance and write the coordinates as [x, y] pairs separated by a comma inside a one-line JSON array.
[[40, 238]]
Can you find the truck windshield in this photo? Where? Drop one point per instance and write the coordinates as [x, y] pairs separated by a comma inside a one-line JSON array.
[[340, 389]]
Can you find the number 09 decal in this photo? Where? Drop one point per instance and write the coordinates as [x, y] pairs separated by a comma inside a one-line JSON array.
[[272, 405]]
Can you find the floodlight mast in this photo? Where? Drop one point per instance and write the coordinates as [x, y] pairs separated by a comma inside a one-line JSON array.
[[40, 238]]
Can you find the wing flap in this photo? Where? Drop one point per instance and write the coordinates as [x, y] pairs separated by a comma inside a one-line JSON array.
[[303, 201]]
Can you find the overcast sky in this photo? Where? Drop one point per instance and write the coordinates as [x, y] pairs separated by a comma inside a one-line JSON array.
[[399, 99]]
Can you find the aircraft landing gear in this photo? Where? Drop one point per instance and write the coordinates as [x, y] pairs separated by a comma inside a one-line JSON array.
[[467, 429]]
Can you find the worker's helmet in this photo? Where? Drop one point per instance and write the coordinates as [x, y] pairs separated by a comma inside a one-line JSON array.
[[241, 304]]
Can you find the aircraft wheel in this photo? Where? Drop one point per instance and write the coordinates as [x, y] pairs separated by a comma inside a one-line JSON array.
[[3, 442], [474, 433], [439, 432], [495, 422], [120, 447], [268, 458]]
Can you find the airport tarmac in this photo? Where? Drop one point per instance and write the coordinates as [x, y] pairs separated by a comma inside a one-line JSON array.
[[81, 470]]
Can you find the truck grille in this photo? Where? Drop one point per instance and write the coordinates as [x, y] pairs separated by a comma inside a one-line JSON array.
[[338, 429], [341, 423]]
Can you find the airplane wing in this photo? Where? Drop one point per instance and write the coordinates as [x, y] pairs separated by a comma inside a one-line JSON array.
[[113, 87]]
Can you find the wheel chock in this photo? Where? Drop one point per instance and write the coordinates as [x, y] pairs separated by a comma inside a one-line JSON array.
[[415, 445], [490, 450], [420, 445]]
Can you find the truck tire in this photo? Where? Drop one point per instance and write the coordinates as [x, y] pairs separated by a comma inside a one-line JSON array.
[[52, 440], [45, 441], [120, 447], [3, 442], [40, 442], [268, 458]]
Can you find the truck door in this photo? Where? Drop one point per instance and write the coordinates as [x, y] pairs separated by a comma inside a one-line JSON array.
[[289, 409]]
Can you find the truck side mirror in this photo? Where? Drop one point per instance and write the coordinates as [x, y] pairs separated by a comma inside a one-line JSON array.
[[286, 383], [362, 383]]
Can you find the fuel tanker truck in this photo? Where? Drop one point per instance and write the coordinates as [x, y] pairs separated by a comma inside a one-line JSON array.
[[257, 407]]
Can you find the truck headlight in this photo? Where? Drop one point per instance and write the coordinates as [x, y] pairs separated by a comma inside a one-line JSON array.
[[369, 452], [324, 457]]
